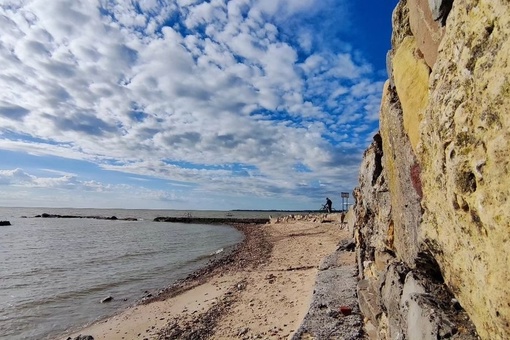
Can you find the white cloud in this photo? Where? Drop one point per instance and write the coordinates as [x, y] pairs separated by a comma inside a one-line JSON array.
[[16, 176], [224, 86]]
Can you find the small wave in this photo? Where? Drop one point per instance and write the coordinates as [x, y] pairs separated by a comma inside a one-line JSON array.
[[83, 263], [34, 272], [79, 292], [219, 251], [123, 257]]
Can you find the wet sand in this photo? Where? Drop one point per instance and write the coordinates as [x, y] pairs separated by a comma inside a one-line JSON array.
[[263, 289]]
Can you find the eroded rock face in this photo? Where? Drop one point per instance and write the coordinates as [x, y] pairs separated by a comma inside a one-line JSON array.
[[398, 163], [465, 160], [432, 208], [399, 280]]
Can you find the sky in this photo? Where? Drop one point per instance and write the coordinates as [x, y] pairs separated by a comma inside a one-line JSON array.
[[188, 104]]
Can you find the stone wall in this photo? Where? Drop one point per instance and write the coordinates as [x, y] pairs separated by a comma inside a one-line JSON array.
[[432, 223]]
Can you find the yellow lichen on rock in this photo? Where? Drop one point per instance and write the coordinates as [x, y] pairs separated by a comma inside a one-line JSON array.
[[411, 76], [465, 159], [433, 206]]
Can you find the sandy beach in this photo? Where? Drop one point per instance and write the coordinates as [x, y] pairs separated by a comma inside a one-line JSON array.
[[263, 289]]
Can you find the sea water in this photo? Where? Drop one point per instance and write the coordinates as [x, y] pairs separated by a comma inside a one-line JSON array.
[[54, 272]]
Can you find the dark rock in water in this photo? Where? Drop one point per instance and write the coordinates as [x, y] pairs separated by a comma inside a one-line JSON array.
[[5, 223], [111, 218], [107, 299]]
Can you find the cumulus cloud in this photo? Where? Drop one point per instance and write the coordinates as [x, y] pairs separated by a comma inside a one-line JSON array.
[[65, 189], [156, 85]]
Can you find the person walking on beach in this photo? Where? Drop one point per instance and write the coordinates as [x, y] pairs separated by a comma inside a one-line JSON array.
[[328, 204]]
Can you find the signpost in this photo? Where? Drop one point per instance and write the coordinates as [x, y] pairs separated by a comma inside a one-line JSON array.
[[345, 201]]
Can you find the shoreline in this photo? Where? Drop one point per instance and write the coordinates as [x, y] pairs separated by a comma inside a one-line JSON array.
[[253, 239], [263, 288], [253, 236]]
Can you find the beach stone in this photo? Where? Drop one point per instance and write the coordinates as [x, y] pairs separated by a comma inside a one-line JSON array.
[[243, 331], [107, 299]]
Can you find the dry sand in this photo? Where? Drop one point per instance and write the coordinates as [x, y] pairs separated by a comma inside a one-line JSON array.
[[263, 290]]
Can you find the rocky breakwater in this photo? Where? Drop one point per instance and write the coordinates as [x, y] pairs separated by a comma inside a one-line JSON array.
[[212, 220], [432, 224], [95, 217]]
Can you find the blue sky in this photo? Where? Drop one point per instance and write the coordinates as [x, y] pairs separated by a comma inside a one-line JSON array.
[[188, 104]]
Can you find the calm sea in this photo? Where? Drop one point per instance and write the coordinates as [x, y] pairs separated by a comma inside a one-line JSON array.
[[54, 272]]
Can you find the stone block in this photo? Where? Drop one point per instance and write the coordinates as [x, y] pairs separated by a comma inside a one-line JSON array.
[[390, 299], [412, 286], [370, 330], [427, 32], [411, 77], [382, 260], [350, 219], [368, 301], [398, 162]]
